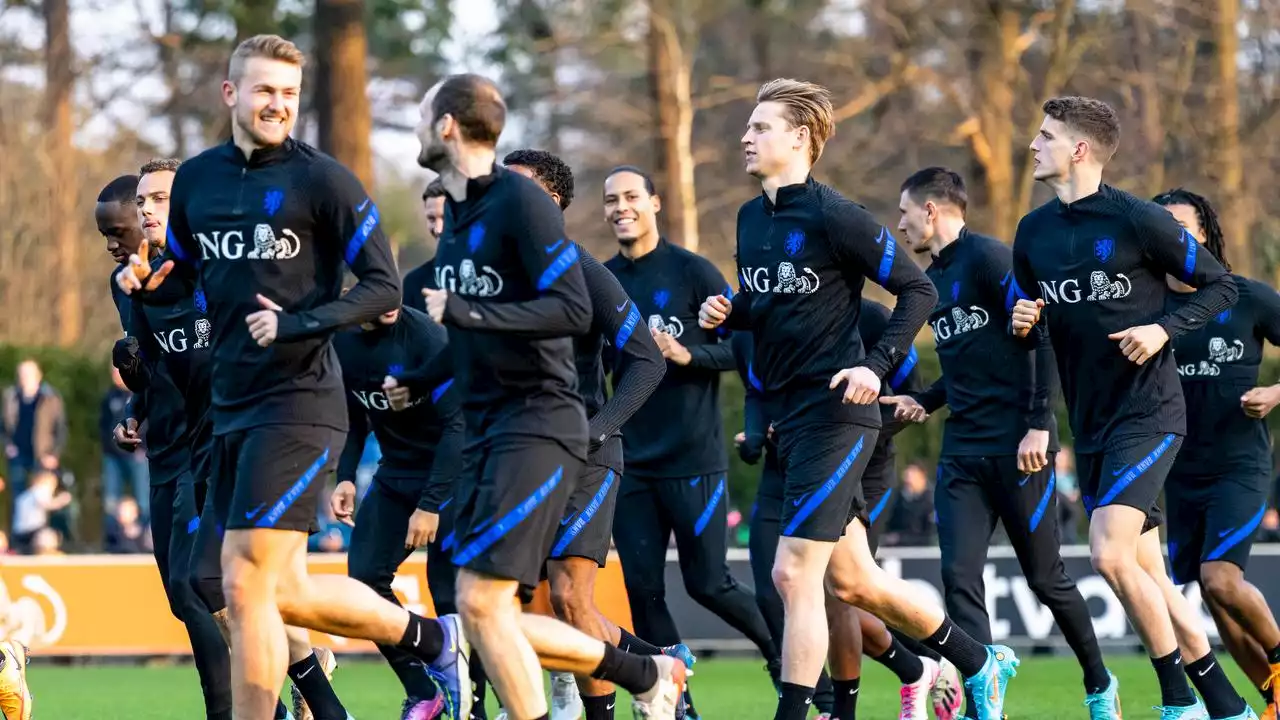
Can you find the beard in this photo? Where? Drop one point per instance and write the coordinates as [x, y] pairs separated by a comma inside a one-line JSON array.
[[246, 123], [433, 156]]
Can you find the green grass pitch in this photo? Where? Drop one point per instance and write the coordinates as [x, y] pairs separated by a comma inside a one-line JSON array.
[[724, 689]]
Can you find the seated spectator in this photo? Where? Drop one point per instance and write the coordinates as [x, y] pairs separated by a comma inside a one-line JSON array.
[[913, 521], [125, 533], [33, 507]]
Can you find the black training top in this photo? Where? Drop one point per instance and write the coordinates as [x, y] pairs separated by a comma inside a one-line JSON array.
[[679, 432], [1100, 265], [516, 299], [422, 444], [415, 281], [802, 263], [281, 224], [998, 386], [617, 344], [1218, 364]]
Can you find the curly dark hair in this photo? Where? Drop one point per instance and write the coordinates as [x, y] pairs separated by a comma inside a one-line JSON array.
[[1213, 240], [550, 170], [160, 165]]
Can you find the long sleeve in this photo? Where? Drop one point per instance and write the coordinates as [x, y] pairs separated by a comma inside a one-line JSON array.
[[862, 242], [434, 377], [137, 408], [137, 375], [60, 430], [1267, 303], [934, 397], [639, 365], [357, 234], [1175, 251], [447, 465], [996, 277], [180, 246], [755, 423], [1040, 414], [716, 357], [357, 435], [562, 307]]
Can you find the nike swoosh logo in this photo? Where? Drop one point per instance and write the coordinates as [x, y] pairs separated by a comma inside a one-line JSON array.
[[1121, 471], [1206, 670], [800, 499], [610, 706], [621, 307], [1226, 532], [363, 205], [568, 520], [945, 638], [808, 701], [893, 654], [853, 691], [306, 672], [254, 512], [555, 247], [417, 636], [1024, 480]]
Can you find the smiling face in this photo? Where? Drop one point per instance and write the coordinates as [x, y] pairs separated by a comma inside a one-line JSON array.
[[264, 101], [629, 208]]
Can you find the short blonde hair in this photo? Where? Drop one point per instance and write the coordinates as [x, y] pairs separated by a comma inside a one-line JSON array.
[[807, 104], [272, 47]]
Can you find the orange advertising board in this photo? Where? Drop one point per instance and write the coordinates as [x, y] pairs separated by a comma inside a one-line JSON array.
[[115, 604]]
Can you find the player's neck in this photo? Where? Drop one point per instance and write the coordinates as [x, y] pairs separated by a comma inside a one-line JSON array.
[[642, 246], [471, 162], [1081, 182], [795, 174], [947, 230], [244, 142]]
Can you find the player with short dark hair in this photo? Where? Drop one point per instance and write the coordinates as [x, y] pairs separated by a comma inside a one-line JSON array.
[[513, 298], [1094, 262], [421, 442], [153, 365], [1219, 486], [116, 216], [804, 253], [423, 277], [676, 458], [612, 347], [264, 225], [1001, 437]]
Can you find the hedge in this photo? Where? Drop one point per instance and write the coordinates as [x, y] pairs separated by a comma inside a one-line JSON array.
[[82, 382]]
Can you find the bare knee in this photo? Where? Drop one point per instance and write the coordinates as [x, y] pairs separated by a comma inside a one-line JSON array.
[[1112, 560], [1221, 582], [482, 599], [571, 595]]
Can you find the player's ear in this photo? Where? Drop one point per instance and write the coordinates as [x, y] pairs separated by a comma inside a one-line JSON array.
[[802, 137], [656, 201]]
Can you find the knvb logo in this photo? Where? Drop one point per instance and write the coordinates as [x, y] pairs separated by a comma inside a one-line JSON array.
[[675, 328], [1101, 287], [794, 243], [788, 282], [1104, 248], [272, 201], [959, 322], [467, 280], [230, 244]]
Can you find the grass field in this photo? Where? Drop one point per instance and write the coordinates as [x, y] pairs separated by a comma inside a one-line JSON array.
[[1045, 689]]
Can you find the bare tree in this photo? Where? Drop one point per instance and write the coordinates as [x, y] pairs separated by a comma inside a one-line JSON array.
[[1237, 210], [59, 83], [673, 103]]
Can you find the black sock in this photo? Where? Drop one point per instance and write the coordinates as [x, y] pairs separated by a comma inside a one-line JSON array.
[[1273, 655], [956, 645], [902, 662], [634, 645], [914, 646], [1096, 679], [308, 677], [794, 702], [423, 638], [1174, 690], [599, 707], [846, 707], [970, 706], [635, 673], [478, 682], [1220, 698], [281, 711], [688, 702], [823, 695]]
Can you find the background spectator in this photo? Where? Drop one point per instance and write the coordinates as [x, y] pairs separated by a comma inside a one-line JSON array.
[[1070, 509], [34, 425], [120, 468], [913, 521], [33, 508], [124, 530], [47, 541]]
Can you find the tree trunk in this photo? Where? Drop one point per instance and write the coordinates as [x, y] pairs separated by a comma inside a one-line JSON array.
[[59, 82], [342, 99], [1055, 77], [168, 48], [992, 144], [252, 17], [1236, 214], [670, 71]]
